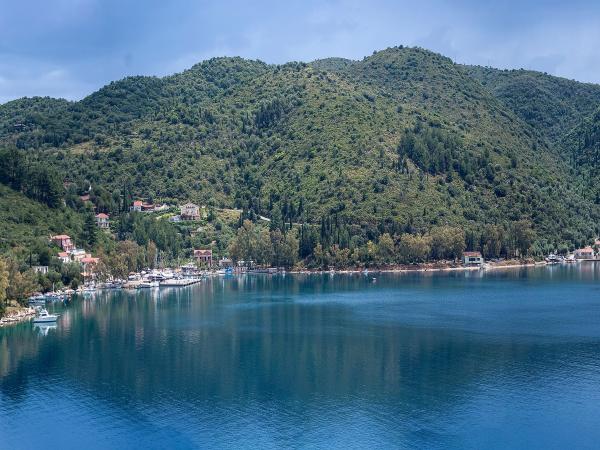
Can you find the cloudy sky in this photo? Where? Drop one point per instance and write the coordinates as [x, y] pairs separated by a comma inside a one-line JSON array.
[[69, 48]]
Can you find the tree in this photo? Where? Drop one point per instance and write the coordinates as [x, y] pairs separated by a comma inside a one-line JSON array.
[[20, 284], [522, 236], [414, 248], [447, 242], [151, 253], [90, 229], [385, 249], [321, 256], [262, 252], [3, 282]]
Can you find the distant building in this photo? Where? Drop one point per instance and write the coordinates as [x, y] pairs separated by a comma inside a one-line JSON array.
[[148, 207], [102, 220], [84, 198], [584, 253], [472, 259], [136, 206], [77, 254], [162, 207], [204, 256], [63, 241], [189, 211], [40, 269], [64, 257], [89, 266], [225, 262]]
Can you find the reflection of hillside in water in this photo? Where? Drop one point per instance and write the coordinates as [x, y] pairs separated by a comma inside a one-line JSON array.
[[290, 338]]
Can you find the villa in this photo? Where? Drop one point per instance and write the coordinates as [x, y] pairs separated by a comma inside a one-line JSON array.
[[102, 220], [63, 241], [204, 256], [189, 211]]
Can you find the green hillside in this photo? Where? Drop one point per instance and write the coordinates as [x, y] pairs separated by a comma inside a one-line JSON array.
[[23, 220], [400, 142], [552, 105]]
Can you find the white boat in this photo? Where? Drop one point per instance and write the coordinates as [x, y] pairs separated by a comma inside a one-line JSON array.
[[173, 282], [38, 299], [44, 317], [148, 284]]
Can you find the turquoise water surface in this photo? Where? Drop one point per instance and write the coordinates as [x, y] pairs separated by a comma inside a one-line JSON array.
[[503, 359]]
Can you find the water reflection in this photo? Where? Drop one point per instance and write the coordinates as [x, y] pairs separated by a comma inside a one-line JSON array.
[[412, 345], [44, 329]]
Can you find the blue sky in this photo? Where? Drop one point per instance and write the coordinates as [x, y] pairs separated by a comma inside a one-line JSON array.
[[69, 48]]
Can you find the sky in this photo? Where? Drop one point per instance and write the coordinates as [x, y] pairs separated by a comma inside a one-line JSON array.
[[70, 48]]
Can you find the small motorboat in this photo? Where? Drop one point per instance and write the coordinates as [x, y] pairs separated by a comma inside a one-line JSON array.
[[38, 299], [148, 284], [44, 317]]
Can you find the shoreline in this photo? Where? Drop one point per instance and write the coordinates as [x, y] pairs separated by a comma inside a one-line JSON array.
[[22, 314], [434, 267]]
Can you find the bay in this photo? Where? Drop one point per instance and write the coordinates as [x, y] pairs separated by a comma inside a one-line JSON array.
[[476, 359]]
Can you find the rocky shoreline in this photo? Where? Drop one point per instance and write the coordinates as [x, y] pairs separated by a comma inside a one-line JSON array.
[[20, 315]]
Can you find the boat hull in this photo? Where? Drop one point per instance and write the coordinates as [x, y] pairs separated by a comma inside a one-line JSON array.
[[45, 319]]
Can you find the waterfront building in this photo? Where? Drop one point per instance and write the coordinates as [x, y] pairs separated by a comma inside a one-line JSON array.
[[472, 259]]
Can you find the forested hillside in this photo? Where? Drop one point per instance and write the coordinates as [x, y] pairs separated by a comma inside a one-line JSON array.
[[552, 105], [402, 142]]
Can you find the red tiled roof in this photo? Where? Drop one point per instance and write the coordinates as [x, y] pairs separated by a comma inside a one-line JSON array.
[[63, 254], [137, 203], [477, 254], [61, 236], [89, 260], [203, 252], [102, 216]]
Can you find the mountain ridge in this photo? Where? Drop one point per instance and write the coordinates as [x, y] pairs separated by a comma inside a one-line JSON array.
[[404, 136]]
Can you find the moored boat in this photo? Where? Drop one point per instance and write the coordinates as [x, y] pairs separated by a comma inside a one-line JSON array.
[[44, 317]]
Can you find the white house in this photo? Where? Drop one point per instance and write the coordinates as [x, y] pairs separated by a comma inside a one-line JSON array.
[[472, 259], [40, 269], [136, 206], [64, 257], [102, 220]]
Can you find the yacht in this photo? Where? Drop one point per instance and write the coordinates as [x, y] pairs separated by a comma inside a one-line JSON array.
[[44, 317], [148, 284]]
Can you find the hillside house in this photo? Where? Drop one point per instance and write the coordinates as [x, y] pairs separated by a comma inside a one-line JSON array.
[[225, 263], [148, 207], [77, 254], [204, 256], [89, 266], [64, 257], [584, 253], [472, 259], [189, 211], [40, 269], [136, 206], [102, 220], [63, 241]]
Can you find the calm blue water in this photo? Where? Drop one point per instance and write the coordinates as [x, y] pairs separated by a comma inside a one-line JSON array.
[[508, 359]]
